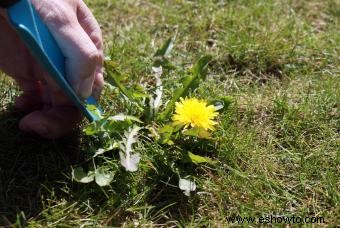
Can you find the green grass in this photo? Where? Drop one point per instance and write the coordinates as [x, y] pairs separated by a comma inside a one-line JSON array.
[[277, 147]]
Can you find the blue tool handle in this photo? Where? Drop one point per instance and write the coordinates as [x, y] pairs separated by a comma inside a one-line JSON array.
[[45, 49]]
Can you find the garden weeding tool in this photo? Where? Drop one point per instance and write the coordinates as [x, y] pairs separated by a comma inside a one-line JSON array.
[[35, 34]]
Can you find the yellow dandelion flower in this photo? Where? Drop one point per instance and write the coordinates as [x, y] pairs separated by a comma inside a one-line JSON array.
[[195, 113]]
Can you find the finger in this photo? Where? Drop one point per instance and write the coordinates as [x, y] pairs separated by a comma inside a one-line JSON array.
[[90, 25], [57, 117], [51, 123], [92, 28], [82, 56], [31, 98], [28, 74], [98, 85], [22, 67]]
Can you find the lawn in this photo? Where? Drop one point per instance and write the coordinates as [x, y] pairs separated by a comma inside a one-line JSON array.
[[276, 148]]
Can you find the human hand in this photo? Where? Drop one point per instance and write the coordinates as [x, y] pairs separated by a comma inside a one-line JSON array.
[[51, 114]]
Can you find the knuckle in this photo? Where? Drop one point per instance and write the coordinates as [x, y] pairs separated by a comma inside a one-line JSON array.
[[92, 57], [54, 18], [51, 13], [97, 40]]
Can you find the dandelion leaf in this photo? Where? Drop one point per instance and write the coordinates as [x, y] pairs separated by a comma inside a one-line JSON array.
[[128, 158], [198, 132], [80, 176], [187, 186], [103, 177], [196, 159], [190, 82]]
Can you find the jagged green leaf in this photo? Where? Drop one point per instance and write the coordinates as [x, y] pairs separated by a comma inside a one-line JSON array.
[[128, 158]]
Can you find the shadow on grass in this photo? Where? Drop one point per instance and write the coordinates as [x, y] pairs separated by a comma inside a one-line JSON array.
[[26, 162], [30, 166]]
